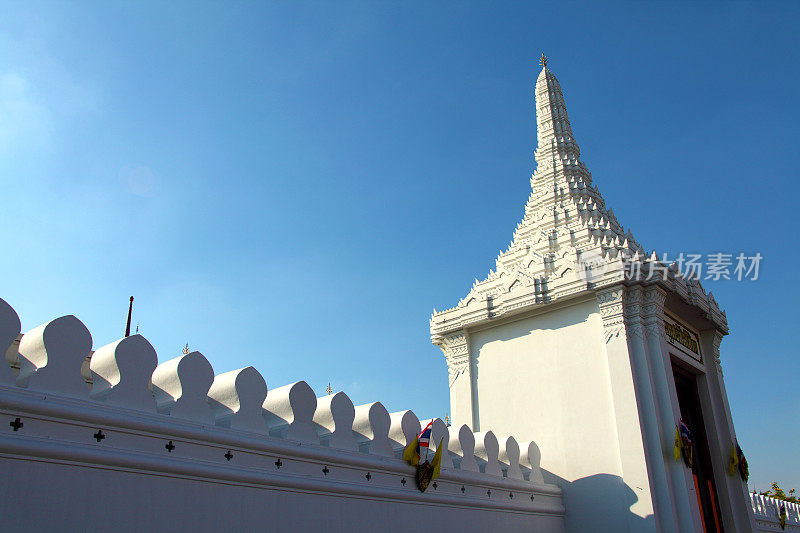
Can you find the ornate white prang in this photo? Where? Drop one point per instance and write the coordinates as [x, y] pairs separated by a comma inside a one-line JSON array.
[[566, 226]]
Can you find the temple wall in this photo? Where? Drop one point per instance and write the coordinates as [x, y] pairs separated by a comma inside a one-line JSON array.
[[767, 514], [547, 378], [66, 497], [553, 368], [124, 443]]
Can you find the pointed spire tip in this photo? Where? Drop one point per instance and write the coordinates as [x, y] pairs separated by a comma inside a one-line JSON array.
[[543, 60]]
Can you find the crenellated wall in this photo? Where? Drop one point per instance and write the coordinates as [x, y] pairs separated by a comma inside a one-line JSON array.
[[123, 443], [767, 513]]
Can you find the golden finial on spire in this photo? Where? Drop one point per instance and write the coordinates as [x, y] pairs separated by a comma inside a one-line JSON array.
[[329, 390], [543, 60], [186, 349]]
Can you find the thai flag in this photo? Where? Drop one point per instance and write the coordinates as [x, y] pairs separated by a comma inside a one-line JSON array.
[[686, 433], [424, 438]]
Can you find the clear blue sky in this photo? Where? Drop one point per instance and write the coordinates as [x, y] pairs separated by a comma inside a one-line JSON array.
[[297, 185]]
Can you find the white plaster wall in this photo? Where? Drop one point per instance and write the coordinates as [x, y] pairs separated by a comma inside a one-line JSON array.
[[461, 408], [57, 497], [546, 378], [172, 447]]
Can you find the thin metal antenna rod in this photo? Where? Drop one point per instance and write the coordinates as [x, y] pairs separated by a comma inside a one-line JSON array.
[[128, 325]]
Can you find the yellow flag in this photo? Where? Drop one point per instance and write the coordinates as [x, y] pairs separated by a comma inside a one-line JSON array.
[[733, 462], [678, 444], [411, 453], [437, 460]]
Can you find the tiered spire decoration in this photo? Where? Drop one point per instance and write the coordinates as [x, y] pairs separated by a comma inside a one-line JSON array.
[[567, 241], [565, 212]]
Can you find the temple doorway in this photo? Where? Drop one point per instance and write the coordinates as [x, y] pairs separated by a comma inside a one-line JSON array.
[[692, 415]]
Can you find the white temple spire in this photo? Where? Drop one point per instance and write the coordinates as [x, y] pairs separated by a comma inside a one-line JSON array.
[[551, 112], [567, 242], [565, 216]]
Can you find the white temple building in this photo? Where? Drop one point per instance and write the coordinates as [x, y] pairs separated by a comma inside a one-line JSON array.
[[570, 367], [600, 349]]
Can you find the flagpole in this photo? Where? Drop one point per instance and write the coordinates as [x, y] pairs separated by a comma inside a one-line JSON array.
[[428, 447], [128, 324]]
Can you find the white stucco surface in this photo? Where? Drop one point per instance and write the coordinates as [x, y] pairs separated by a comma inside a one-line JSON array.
[[227, 453], [90, 499], [553, 369], [546, 378]]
